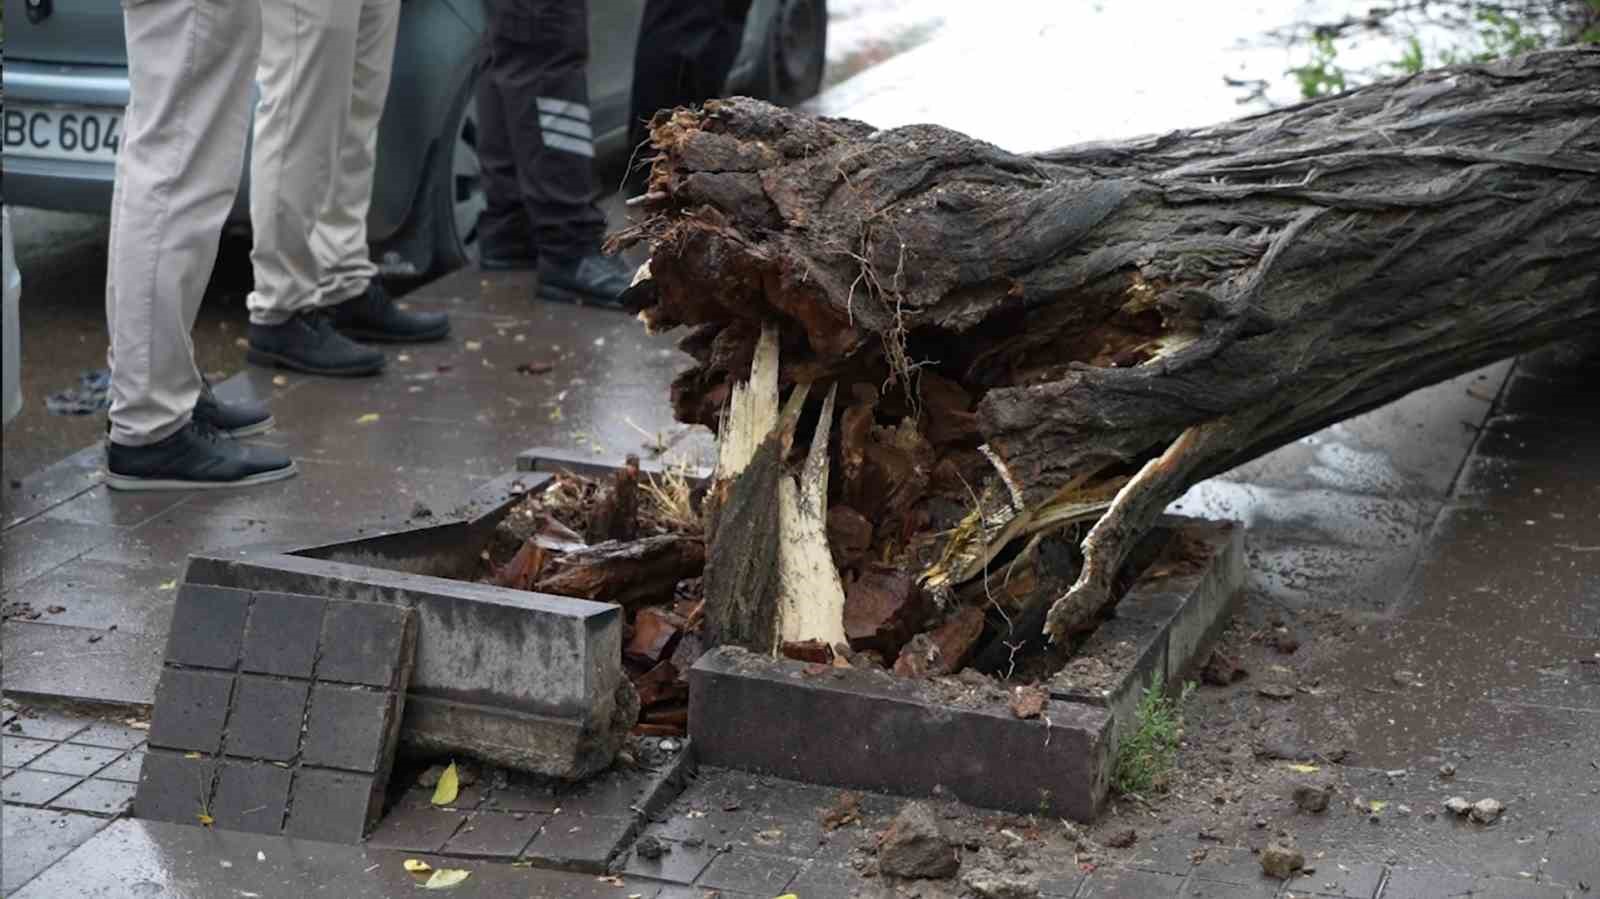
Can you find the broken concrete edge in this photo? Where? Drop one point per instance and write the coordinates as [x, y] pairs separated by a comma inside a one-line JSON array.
[[871, 730], [554, 461], [665, 785], [522, 679]]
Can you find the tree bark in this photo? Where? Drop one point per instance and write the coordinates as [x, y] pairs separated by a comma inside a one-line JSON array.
[[1080, 335]]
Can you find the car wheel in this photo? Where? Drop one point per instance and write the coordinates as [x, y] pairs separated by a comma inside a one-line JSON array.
[[457, 188], [796, 51]]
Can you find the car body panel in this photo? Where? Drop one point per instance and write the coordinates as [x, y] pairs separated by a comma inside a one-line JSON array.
[[76, 57]]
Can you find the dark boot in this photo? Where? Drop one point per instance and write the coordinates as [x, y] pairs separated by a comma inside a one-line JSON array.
[[196, 457], [241, 419], [373, 316], [593, 280], [307, 342]]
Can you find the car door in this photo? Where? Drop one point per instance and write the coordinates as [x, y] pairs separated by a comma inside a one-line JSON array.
[[66, 32]]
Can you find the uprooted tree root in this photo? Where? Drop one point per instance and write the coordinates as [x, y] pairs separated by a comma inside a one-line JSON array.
[[1094, 329]]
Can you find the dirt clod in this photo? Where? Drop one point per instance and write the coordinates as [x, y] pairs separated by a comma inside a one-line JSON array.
[[914, 847], [1222, 670], [1280, 692], [1029, 702], [985, 884], [1457, 806], [650, 848], [1281, 861], [1122, 839], [1487, 811], [1313, 797]]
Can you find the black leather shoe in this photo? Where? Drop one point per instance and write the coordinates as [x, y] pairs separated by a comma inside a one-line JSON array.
[[374, 316], [307, 342], [594, 280], [241, 419], [197, 457]]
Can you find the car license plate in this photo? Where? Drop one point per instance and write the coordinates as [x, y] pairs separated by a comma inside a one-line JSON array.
[[62, 132]]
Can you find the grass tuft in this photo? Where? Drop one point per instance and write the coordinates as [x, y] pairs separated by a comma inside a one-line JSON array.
[[1147, 756]]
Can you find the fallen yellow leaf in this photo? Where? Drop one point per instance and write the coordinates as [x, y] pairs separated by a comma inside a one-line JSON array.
[[449, 786], [205, 819], [445, 878], [367, 419], [280, 381], [1377, 805], [191, 755], [474, 346], [1304, 769], [417, 866]]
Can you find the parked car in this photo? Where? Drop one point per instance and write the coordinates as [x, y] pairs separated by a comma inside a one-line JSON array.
[[66, 84]]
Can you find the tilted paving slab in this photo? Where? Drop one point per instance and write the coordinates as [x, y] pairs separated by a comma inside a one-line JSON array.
[[525, 680], [260, 740]]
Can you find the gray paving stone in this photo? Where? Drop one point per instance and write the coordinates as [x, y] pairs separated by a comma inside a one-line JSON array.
[[18, 751], [207, 626], [111, 735], [576, 843], [1124, 883], [190, 709], [124, 769], [346, 727], [45, 727], [173, 787], [35, 839], [251, 796], [413, 829], [97, 797], [281, 635], [1200, 888], [522, 798], [682, 864], [266, 719], [750, 872], [46, 662], [36, 787], [82, 761], [336, 806], [364, 642], [495, 835], [1348, 880], [1503, 888], [1426, 883], [1572, 858]]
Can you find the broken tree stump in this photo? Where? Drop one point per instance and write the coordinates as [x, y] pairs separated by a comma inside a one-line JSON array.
[[1024, 342]]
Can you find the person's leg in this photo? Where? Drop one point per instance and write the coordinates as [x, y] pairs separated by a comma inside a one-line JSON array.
[[189, 68], [505, 240], [685, 50], [348, 279], [307, 67], [539, 61]]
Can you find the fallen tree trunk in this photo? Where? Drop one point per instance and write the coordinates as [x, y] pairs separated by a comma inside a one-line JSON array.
[[1023, 343]]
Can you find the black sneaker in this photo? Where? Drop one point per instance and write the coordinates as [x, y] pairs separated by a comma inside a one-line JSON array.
[[374, 316], [307, 342], [197, 457], [597, 280], [241, 419]]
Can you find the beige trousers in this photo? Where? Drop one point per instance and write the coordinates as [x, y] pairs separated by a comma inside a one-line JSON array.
[[324, 75], [189, 68]]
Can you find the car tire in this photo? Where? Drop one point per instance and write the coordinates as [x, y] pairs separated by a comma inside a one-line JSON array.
[[790, 69], [454, 191]]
